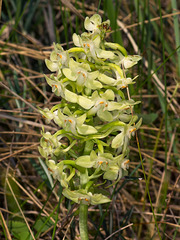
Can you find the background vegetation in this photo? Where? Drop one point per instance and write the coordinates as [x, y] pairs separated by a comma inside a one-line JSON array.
[[31, 206]]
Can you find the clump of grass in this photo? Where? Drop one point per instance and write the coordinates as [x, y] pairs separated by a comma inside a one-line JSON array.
[[31, 203]]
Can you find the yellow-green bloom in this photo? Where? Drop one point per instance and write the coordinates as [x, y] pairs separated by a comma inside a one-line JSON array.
[[92, 47], [50, 145], [58, 59], [73, 124], [57, 170], [86, 198], [83, 76], [122, 139]]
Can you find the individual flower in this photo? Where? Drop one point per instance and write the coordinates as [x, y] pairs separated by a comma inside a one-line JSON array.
[[58, 59], [117, 168], [100, 102], [92, 47], [50, 145], [126, 61], [87, 198], [57, 170], [113, 172], [74, 124], [60, 90], [122, 83], [82, 74], [119, 82], [93, 23], [130, 61], [104, 163], [122, 105], [103, 105], [47, 114], [122, 139], [99, 161], [56, 85], [95, 26]]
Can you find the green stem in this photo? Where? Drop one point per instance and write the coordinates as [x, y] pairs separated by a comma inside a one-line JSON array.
[[83, 213], [75, 49]]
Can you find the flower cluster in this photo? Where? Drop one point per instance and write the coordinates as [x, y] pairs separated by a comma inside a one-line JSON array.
[[94, 117]]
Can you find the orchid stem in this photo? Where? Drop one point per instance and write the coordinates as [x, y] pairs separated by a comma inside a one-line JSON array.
[[83, 214]]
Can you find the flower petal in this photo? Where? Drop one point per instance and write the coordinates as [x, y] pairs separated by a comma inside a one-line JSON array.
[[77, 40], [104, 54], [99, 199], [106, 80], [92, 23], [80, 120], [84, 161], [118, 140], [84, 102], [105, 115], [86, 130], [69, 74], [130, 61], [108, 95], [52, 66], [70, 96]]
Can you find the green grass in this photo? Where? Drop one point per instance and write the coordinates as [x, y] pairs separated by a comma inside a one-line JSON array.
[[150, 205]]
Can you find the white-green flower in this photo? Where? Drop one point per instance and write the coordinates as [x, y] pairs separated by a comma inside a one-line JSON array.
[[122, 83], [104, 163], [56, 85], [49, 145], [130, 61], [47, 114], [116, 170], [101, 105], [95, 26], [83, 76], [100, 161], [113, 172], [60, 90], [92, 47], [74, 124], [122, 139], [87, 198], [93, 23], [126, 61], [56, 170], [58, 59]]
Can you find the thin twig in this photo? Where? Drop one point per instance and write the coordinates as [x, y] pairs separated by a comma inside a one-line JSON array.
[[22, 99], [118, 231]]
